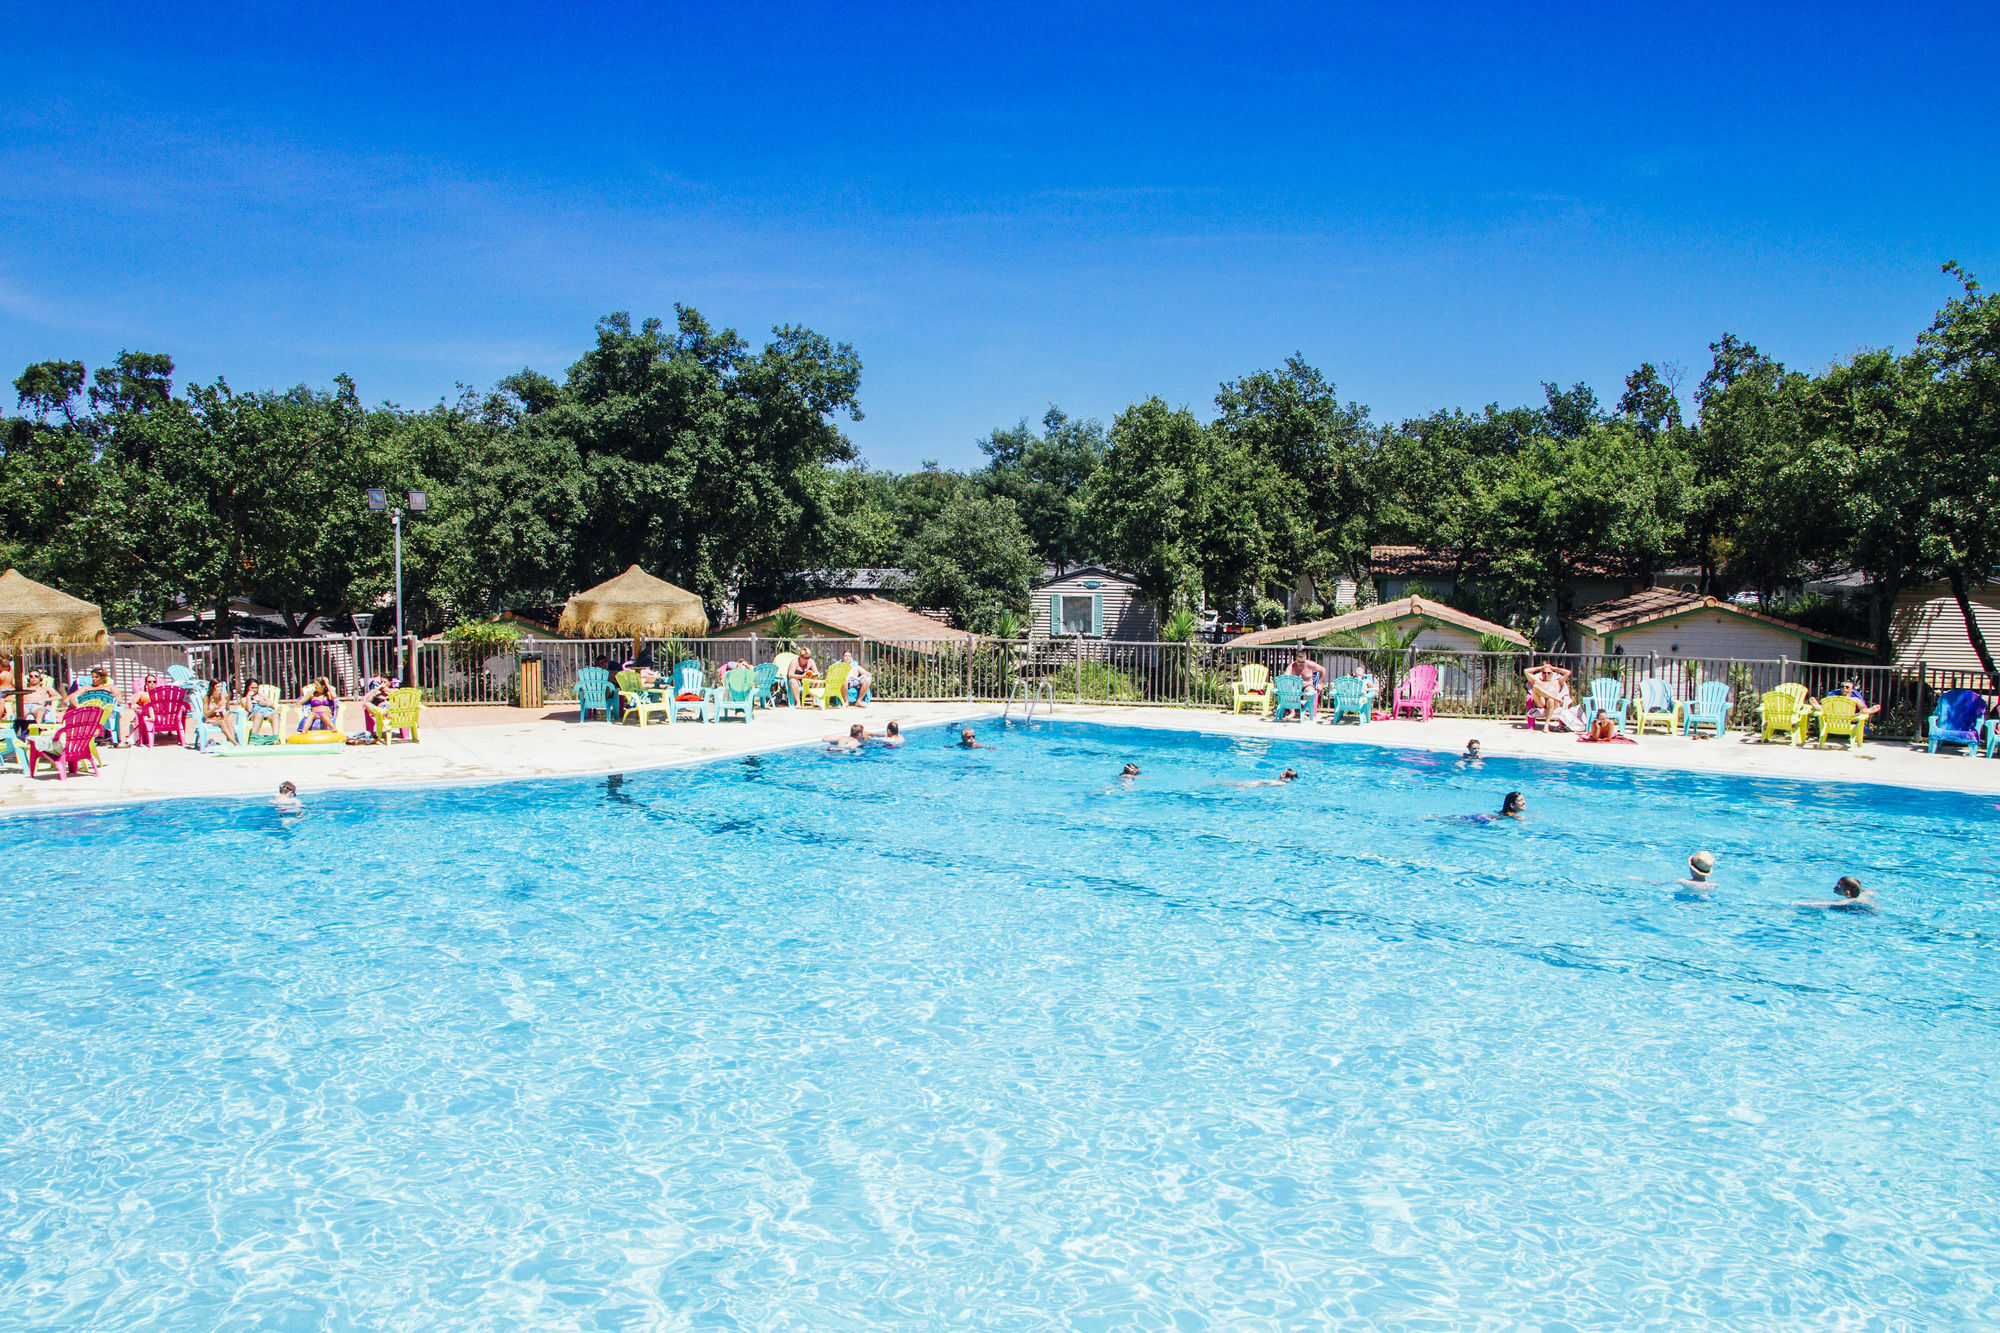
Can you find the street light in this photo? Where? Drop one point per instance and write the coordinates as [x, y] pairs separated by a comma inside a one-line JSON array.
[[418, 502]]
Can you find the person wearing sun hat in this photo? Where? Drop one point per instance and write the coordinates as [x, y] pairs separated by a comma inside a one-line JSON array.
[[1700, 866]]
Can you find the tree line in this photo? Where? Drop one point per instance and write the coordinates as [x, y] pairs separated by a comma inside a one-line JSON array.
[[724, 469]]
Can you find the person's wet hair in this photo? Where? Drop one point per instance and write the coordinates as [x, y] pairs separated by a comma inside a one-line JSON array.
[[895, 728], [857, 731], [1848, 887], [1131, 771], [1514, 803]]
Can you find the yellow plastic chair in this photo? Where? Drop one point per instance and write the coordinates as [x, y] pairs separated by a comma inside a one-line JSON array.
[[1253, 686], [1784, 715], [1841, 716], [828, 693], [403, 712], [1655, 703], [635, 700]]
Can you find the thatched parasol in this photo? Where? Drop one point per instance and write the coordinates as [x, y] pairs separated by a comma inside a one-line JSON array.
[[634, 603], [33, 614]]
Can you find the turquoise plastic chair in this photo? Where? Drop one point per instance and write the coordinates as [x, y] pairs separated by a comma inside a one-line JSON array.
[[1288, 695], [1349, 696], [736, 694], [1957, 720], [594, 694], [766, 676], [1709, 707], [1992, 737], [1607, 695]]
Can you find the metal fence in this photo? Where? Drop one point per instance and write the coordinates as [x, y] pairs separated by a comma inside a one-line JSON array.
[[1471, 684]]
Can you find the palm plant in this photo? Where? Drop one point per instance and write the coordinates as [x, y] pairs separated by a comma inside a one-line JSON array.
[[1005, 625], [1386, 655], [1180, 626], [786, 627]]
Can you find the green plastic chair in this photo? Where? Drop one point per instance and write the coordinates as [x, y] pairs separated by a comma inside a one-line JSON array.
[[1840, 716], [1288, 695], [736, 694]]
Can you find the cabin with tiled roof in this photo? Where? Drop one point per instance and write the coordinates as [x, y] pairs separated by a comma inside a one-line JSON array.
[[1669, 622]]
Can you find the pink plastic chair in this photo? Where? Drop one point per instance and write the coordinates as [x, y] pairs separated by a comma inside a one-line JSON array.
[[165, 714], [1417, 692], [79, 729]]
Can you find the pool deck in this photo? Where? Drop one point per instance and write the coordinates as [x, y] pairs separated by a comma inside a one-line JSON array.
[[491, 744]]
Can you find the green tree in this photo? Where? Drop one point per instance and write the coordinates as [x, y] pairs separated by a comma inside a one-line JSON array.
[[1175, 505], [974, 561], [1047, 475], [1958, 449]]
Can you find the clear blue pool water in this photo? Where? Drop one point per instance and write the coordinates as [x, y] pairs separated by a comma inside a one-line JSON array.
[[989, 1040]]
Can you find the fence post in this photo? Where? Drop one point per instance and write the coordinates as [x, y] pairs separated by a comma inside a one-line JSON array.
[[968, 669]]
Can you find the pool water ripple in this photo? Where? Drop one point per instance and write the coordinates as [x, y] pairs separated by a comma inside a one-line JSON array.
[[989, 1039]]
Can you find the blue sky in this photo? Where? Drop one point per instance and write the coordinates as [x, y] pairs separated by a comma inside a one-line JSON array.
[[1001, 207]]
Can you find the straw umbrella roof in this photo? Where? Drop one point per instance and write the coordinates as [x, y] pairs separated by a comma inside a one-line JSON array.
[[633, 603], [32, 613]]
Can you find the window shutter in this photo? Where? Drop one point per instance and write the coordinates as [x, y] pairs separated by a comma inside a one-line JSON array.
[[1055, 614], [1097, 615]]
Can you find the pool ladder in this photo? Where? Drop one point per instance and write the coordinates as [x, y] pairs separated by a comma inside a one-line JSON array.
[[1043, 693]]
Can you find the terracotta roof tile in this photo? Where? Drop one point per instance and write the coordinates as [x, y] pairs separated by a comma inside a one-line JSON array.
[[1399, 609], [863, 618], [1650, 604]]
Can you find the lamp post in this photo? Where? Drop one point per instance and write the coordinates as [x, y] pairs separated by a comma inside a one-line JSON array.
[[418, 502]]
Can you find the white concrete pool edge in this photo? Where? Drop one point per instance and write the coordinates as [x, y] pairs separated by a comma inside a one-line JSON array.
[[543, 748]]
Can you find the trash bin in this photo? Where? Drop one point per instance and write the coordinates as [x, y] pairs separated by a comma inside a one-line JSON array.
[[530, 693]]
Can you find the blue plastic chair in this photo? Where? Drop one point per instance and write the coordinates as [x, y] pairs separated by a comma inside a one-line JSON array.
[[1957, 720], [1607, 695], [594, 694], [1709, 707], [766, 676], [1992, 736], [1349, 696], [1288, 695]]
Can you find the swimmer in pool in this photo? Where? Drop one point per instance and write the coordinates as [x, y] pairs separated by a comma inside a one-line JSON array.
[[892, 737], [288, 801], [966, 741], [1514, 806], [851, 741], [1129, 771], [1700, 879], [1289, 775], [1852, 898], [1471, 758]]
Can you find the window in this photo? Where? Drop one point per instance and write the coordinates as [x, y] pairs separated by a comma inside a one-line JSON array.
[[1075, 613]]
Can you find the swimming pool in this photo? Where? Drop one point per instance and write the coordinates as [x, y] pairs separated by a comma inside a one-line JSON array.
[[989, 1039]]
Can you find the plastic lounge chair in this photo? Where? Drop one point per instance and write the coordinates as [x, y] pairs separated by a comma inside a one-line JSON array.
[[736, 694], [1841, 716], [403, 712], [1956, 720], [108, 701], [690, 690], [1417, 692], [635, 700], [1349, 696], [1708, 708], [1253, 686], [764, 678], [1784, 716], [165, 714], [13, 749], [782, 691], [828, 693], [1992, 736], [1656, 703], [594, 694], [181, 676], [76, 743], [1607, 695], [1288, 695]]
